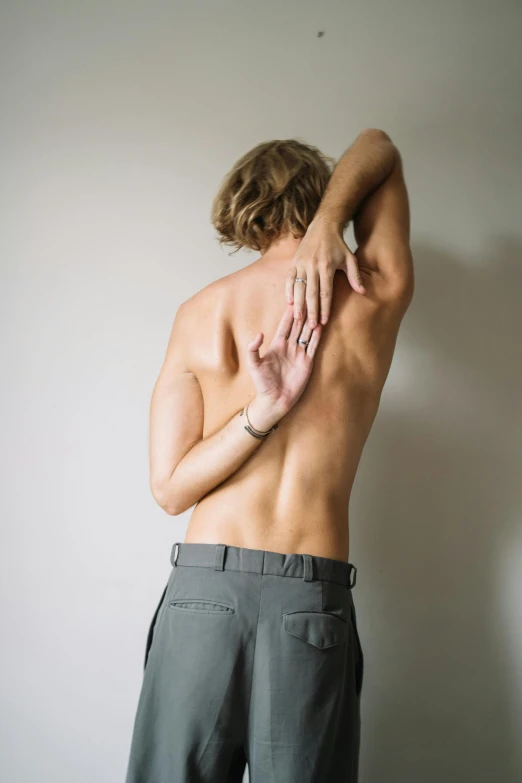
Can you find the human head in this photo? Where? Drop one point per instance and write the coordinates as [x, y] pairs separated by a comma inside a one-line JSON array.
[[272, 190]]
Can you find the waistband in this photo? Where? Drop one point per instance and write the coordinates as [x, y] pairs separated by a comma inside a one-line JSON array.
[[223, 557]]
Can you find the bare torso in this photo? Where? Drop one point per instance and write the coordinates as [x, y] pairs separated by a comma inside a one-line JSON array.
[[293, 493]]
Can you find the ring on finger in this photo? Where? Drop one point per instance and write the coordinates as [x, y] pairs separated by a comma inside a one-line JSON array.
[[304, 341], [300, 280]]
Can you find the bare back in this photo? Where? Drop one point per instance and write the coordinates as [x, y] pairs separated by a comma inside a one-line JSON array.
[[293, 493], [289, 493]]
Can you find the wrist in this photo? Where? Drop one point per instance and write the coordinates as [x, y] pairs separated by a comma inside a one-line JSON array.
[[330, 219], [264, 414]]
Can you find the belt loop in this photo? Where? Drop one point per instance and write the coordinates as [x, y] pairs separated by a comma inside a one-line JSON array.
[[219, 564], [308, 568], [353, 572], [174, 554]]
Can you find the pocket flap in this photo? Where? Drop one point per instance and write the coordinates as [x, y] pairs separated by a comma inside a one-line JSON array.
[[203, 605], [319, 629]]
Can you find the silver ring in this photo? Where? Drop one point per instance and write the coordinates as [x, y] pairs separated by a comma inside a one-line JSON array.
[[303, 342], [300, 280]]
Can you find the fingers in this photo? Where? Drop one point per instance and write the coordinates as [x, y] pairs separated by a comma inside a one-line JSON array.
[[306, 333], [295, 331], [312, 297], [289, 284], [353, 274], [299, 292], [311, 337], [326, 281], [285, 323], [316, 291], [314, 341]]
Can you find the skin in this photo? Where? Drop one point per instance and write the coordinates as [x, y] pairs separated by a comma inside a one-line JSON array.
[[289, 492]]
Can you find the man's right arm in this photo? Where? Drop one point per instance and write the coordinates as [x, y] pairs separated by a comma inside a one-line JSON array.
[[184, 465]]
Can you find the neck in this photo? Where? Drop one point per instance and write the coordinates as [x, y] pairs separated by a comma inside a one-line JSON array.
[[282, 250]]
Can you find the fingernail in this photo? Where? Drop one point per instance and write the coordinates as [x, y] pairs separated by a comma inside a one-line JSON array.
[[324, 319], [312, 323]]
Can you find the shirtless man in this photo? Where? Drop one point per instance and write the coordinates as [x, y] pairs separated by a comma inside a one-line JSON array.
[[253, 654]]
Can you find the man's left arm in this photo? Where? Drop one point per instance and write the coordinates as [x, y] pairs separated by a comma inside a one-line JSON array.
[[359, 172]]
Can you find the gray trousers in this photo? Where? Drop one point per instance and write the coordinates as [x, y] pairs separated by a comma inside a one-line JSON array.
[[252, 657]]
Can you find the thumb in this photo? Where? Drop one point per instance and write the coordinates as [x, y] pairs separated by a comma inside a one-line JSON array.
[[353, 274], [253, 349]]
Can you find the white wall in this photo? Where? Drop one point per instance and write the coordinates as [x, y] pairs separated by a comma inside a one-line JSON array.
[[119, 122]]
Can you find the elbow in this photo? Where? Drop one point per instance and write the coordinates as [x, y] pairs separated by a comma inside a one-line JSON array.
[[377, 134], [405, 293], [171, 509], [379, 141], [404, 289], [170, 501]]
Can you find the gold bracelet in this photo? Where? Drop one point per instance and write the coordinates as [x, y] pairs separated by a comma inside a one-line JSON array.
[[252, 430]]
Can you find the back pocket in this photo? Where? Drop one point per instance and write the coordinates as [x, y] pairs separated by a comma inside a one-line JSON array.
[[201, 605], [320, 629]]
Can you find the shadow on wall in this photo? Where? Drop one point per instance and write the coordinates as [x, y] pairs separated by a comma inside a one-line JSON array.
[[435, 518]]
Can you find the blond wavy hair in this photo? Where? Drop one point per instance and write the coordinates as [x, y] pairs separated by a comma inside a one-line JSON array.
[[275, 188]]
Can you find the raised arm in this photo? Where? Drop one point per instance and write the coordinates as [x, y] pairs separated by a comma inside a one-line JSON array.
[[382, 232], [359, 172], [184, 466]]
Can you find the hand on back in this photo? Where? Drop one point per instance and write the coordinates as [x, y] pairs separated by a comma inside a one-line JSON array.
[[281, 375], [321, 252]]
